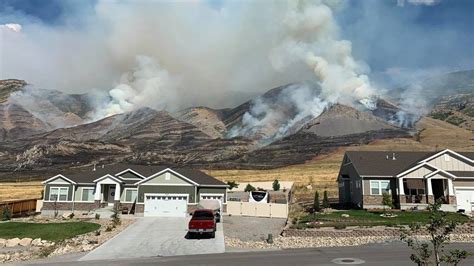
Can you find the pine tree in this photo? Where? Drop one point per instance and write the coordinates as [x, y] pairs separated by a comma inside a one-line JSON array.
[[325, 200], [316, 205]]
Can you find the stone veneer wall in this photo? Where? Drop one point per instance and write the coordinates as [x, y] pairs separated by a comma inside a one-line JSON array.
[[372, 199], [63, 206], [362, 232]]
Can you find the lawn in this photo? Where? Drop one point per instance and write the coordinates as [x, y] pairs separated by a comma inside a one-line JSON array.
[[368, 218], [46, 231]]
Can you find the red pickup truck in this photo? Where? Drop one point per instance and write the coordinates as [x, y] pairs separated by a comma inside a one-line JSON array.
[[202, 222]]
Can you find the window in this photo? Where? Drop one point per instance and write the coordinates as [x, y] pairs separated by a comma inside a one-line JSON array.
[[167, 176], [378, 187], [374, 187], [131, 195], [58, 193], [87, 194]]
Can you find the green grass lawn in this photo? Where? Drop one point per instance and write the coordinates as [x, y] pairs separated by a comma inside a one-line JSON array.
[[368, 218], [46, 231]]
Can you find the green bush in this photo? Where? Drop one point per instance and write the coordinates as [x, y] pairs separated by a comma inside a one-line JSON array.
[[276, 185], [232, 184], [316, 205], [97, 216], [108, 229], [6, 214], [249, 188], [340, 226], [326, 200]]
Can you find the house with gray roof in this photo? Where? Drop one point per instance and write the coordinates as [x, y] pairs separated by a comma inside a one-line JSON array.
[[139, 189], [413, 179]]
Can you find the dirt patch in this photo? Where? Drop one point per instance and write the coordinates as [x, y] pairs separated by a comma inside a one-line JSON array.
[[252, 228]]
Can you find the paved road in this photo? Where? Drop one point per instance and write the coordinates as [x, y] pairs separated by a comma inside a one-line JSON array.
[[392, 254], [151, 237]]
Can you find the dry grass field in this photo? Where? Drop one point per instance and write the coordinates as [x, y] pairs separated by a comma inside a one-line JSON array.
[[319, 173], [20, 190]]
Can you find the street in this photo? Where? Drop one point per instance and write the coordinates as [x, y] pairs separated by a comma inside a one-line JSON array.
[[386, 254]]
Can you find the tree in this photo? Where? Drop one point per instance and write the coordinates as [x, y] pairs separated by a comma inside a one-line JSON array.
[[316, 206], [6, 213], [325, 200], [276, 185], [439, 228], [249, 188], [387, 200], [232, 184]]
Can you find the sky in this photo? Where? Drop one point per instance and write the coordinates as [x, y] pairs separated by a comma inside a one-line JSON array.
[[396, 41]]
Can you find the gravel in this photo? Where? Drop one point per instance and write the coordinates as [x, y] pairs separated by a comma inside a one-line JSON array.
[[252, 228], [312, 242]]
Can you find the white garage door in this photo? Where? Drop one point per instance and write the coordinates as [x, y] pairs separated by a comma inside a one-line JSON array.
[[166, 206], [465, 199]]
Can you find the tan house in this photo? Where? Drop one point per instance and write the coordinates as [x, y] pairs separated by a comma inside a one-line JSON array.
[[413, 179]]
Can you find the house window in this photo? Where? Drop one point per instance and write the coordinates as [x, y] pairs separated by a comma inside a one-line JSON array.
[[131, 195], [58, 194], [379, 187], [87, 194]]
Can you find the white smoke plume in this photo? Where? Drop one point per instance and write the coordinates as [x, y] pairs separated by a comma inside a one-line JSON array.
[[147, 85], [311, 37]]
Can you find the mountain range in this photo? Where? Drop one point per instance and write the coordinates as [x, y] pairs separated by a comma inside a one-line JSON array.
[[45, 129]]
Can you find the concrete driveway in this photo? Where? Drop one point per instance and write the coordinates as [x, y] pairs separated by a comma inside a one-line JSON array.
[[149, 237]]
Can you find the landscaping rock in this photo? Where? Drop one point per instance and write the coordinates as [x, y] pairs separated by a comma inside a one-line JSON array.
[[25, 242], [36, 242], [66, 215], [12, 242], [345, 215], [2, 242], [87, 247]]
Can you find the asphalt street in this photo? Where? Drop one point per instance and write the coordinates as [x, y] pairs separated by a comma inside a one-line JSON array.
[[388, 254]]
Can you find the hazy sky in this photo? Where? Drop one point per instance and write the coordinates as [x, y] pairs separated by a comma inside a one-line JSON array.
[[396, 40]]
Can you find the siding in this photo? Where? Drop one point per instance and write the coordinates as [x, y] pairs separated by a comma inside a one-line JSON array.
[[356, 193], [463, 183], [166, 190], [211, 190], [59, 180], [161, 179], [48, 186], [420, 172], [130, 175], [453, 164]]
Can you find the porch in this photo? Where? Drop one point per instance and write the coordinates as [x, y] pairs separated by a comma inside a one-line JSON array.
[[107, 191], [419, 192]]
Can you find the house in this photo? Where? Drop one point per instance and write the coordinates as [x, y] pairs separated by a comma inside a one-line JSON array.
[[413, 179], [146, 190]]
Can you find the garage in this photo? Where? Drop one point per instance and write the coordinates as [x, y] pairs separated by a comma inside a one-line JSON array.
[[157, 205], [464, 199]]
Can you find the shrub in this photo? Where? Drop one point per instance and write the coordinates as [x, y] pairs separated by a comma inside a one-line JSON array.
[[340, 226], [71, 215], [316, 206], [249, 188], [108, 229], [232, 184], [387, 200], [116, 216], [325, 200], [46, 251], [6, 213], [276, 185], [97, 233], [97, 216]]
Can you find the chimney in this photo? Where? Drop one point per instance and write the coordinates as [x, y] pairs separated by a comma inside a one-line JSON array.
[[393, 156], [94, 168]]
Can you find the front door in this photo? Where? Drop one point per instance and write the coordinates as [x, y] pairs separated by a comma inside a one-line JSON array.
[[111, 196]]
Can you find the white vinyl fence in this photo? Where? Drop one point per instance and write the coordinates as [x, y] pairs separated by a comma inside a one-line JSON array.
[[274, 210]]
